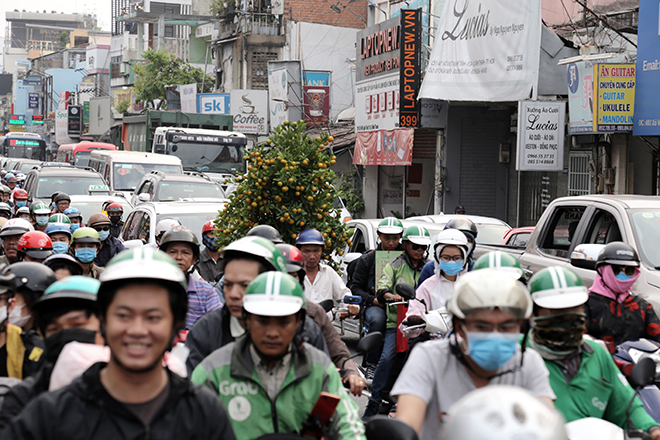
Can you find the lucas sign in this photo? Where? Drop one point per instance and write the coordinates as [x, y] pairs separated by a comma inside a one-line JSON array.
[[540, 136]]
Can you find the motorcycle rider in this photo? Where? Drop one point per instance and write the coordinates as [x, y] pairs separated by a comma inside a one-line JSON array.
[[40, 214], [75, 216], [34, 246], [5, 210], [284, 376], [467, 227], [110, 246], [266, 231], [163, 226], [142, 304], [20, 197], [613, 314], [23, 213], [488, 308], [450, 252], [363, 282], [85, 244], [209, 258], [64, 265], [501, 261], [583, 375], [11, 181], [404, 268], [115, 212], [60, 235], [181, 244], [62, 202], [10, 234]]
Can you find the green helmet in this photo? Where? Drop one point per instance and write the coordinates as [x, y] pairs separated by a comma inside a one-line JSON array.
[[40, 209], [557, 288], [59, 218], [257, 247], [75, 289], [274, 294], [502, 261], [85, 235], [418, 235], [390, 225]]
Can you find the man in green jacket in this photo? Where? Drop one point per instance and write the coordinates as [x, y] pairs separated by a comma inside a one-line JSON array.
[[582, 373], [268, 381]]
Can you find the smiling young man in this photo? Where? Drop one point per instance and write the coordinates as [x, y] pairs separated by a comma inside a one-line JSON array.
[[269, 380], [142, 304]]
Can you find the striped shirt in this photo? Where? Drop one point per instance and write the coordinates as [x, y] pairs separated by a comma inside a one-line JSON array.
[[202, 299], [271, 378]]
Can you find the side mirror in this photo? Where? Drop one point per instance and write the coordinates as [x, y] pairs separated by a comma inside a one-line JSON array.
[[327, 304], [144, 197], [351, 256], [371, 342], [642, 374], [386, 427], [406, 291], [584, 256], [132, 244]]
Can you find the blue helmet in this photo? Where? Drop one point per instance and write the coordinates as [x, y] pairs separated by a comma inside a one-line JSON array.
[[310, 236], [73, 212], [58, 227]]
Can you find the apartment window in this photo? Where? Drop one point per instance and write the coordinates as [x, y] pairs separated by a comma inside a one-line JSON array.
[[259, 69]]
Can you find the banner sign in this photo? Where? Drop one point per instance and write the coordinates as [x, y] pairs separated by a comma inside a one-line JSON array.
[[647, 94], [213, 103], [540, 136], [74, 121], [284, 91], [61, 125], [485, 51], [378, 50], [250, 111], [384, 147], [316, 97], [188, 94], [33, 100], [377, 104], [411, 54], [16, 119], [614, 97]]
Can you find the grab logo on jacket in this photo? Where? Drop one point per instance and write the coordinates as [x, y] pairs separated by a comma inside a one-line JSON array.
[[228, 388], [239, 408]]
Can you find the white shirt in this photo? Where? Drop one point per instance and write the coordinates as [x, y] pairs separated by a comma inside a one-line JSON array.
[[327, 285]]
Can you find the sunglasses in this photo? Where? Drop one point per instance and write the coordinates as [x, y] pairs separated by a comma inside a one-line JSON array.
[[628, 270], [107, 228], [416, 247]]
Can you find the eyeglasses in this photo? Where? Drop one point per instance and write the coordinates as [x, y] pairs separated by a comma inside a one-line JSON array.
[[487, 327], [448, 258], [628, 270], [107, 228], [416, 247]]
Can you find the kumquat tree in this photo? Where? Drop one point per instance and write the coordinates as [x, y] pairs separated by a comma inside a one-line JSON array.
[[288, 185]]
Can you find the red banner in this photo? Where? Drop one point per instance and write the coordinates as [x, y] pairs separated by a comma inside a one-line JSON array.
[[317, 104], [384, 147]]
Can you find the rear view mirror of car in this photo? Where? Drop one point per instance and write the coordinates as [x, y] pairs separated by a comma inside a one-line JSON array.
[[584, 256]]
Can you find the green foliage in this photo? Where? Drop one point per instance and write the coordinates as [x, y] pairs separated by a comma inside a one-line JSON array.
[[122, 106], [352, 197], [220, 8], [163, 69], [64, 39], [288, 185]]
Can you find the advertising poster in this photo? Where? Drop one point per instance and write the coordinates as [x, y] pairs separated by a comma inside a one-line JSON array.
[[614, 97], [61, 126], [188, 94], [277, 95], [384, 147], [647, 92], [485, 51], [316, 96], [33, 100], [370, 113], [250, 111], [540, 136], [213, 103]]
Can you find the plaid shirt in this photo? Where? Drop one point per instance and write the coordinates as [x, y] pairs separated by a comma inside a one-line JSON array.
[[273, 378], [202, 299]]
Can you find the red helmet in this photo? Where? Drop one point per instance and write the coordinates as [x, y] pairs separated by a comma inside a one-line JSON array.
[[114, 207], [293, 257], [208, 226], [35, 244], [20, 194]]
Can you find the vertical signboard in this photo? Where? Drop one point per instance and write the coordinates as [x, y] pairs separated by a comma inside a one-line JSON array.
[[411, 50], [540, 136], [614, 97], [316, 97], [284, 91], [647, 93], [33, 100], [188, 94], [249, 109], [74, 121]]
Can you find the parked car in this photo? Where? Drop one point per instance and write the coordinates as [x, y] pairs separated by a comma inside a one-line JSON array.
[[518, 236], [25, 165], [91, 204], [160, 187], [141, 223], [490, 230], [43, 181]]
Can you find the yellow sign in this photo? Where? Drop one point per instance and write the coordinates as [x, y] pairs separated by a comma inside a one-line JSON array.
[[123, 95], [614, 94]]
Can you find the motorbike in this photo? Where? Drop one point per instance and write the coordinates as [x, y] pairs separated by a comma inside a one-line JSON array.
[[371, 342], [436, 322], [629, 354], [354, 324]]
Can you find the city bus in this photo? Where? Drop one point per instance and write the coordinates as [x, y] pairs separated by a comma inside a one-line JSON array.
[[83, 150], [24, 146]]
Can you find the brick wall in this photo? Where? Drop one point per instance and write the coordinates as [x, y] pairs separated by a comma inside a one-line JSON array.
[[318, 11]]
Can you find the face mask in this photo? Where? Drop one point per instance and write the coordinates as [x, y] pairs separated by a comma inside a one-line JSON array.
[[54, 205], [451, 268], [557, 336], [103, 235], [42, 221], [210, 242], [622, 276], [86, 255], [21, 204], [59, 247], [618, 285], [115, 219], [3, 314], [15, 317], [74, 226], [56, 342], [491, 350]]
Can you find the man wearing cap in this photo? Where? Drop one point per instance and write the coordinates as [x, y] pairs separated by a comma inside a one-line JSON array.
[[110, 246], [583, 375], [62, 202], [10, 233], [459, 210], [268, 381]]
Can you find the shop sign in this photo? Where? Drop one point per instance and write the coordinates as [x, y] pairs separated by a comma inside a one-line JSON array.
[[411, 53], [540, 136], [249, 109], [384, 147], [614, 97], [647, 92], [377, 104]]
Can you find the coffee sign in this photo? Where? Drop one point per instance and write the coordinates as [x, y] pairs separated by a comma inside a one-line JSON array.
[[541, 136], [249, 109]]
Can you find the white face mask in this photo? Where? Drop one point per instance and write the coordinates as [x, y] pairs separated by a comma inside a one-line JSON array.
[[3, 314], [15, 317]]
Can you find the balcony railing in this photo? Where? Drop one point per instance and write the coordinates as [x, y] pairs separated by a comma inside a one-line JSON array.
[[251, 23]]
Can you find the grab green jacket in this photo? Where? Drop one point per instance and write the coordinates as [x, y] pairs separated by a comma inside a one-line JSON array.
[[399, 270], [229, 371], [597, 390]]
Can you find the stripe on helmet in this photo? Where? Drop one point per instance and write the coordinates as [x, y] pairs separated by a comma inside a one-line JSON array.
[[558, 278], [273, 283]]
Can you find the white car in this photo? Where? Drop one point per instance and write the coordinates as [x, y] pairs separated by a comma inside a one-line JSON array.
[[490, 230], [88, 205]]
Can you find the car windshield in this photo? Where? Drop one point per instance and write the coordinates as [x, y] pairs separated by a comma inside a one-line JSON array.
[[87, 208], [82, 158], [169, 191], [67, 184], [194, 222], [27, 166], [646, 227], [126, 176], [211, 158]]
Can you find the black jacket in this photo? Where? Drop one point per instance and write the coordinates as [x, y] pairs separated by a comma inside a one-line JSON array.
[[211, 332], [115, 230], [111, 247], [22, 393], [363, 281], [85, 410]]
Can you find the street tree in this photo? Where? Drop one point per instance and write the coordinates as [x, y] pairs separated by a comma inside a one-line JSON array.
[[288, 185], [162, 69]]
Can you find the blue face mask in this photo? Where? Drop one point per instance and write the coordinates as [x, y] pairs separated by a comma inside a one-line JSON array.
[[74, 226], [103, 235], [491, 350], [622, 276], [451, 268], [21, 204], [210, 242], [42, 221], [59, 247], [86, 255], [54, 205]]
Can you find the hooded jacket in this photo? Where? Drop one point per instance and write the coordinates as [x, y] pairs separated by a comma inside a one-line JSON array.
[[109, 248]]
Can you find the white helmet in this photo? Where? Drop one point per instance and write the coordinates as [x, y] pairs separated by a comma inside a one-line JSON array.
[[502, 412], [165, 225], [489, 289], [450, 237], [16, 226]]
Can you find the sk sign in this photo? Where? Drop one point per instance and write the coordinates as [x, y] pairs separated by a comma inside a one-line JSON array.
[[216, 103]]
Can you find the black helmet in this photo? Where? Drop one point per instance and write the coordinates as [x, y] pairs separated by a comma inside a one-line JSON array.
[[463, 224], [63, 261], [7, 281], [618, 253], [180, 234], [32, 279], [266, 231], [62, 196]]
